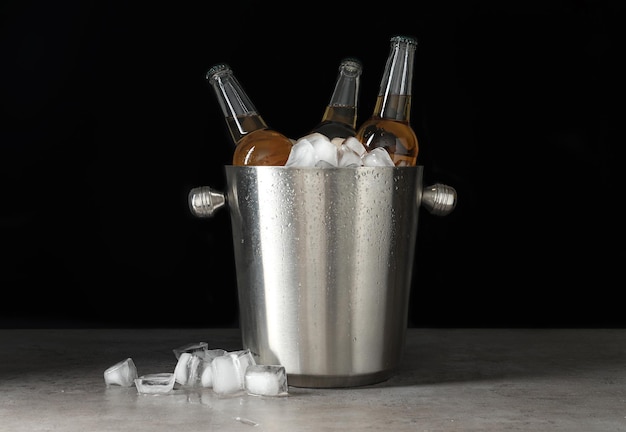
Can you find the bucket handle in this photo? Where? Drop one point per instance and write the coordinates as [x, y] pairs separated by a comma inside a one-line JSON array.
[[439, 199]]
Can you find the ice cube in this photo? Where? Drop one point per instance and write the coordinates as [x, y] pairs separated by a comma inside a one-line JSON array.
[[317, 150], [266, 380], [155, 383], [229, 371], [349, 158], [189, 369], [206, 377], [302, 154], [325, 150], [191, 348], [194, 369], [225, 373], [355, 145], [122, 373], [244, 359], [377, 157], [314, 150]]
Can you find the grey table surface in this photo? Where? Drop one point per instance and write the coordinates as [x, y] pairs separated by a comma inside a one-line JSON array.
[[449, 380]]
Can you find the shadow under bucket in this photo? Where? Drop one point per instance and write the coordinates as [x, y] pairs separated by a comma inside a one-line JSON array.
[[324, 260]]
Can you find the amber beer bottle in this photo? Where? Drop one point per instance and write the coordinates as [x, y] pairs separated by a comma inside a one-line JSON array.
[[389, 126], [340, 116], [255, 143]]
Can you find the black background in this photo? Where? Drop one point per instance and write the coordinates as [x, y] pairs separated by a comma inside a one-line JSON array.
[[107, 123]]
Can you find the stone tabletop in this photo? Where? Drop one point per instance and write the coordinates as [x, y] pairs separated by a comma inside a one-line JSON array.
[[449, 380]]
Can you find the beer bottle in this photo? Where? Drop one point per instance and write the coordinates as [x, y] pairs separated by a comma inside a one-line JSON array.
[[255, 143], [339, 119], [389, 125]]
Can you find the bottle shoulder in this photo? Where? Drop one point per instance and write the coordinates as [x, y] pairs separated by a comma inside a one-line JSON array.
[[263, 147], [380, 127], [266, 136], [397, 137]]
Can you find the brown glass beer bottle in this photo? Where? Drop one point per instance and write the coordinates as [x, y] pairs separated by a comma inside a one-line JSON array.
[[255, 143], [389, 125], [340, 117]]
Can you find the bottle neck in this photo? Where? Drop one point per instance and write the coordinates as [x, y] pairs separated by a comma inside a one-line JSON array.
[[241, 115], [340, 115], [394, 96]]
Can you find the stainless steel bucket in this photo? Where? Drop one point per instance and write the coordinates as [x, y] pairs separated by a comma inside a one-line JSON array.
[[324, 260]]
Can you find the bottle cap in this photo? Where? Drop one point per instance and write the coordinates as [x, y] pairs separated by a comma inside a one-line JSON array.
[[217, 69], [404, 39], [353, 62]]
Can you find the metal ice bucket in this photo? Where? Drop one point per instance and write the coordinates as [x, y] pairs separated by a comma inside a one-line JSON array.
[[324, 260]]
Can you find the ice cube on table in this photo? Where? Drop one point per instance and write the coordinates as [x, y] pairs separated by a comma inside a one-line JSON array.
[[266, 380], [245, 359], [191, 348], [229, 371], [189, 369], [194, 369], [155, 383], [122, 373], [206, 377], [225, 373]]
